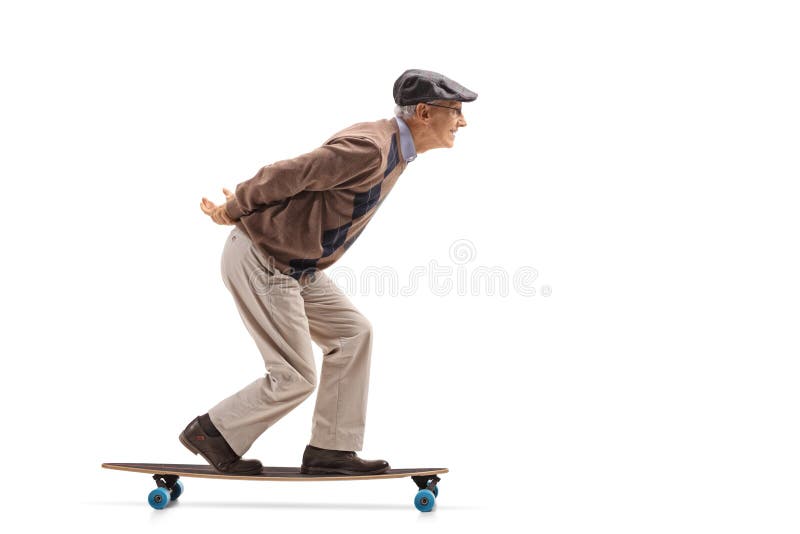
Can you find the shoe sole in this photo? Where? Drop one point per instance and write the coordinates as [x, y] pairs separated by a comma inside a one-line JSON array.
[[331, 471], [194, 450]]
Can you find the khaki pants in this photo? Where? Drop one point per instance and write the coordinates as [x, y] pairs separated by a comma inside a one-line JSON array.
[[284, 316]]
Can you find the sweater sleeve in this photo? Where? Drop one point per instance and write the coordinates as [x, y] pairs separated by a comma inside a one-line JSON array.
[[341, 162]]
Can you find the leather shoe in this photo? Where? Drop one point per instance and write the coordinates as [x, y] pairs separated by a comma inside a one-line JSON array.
[[318, 461], [216, 451]]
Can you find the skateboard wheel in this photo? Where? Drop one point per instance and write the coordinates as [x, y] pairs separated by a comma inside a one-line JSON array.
[[424, 500], [158, 498], [177, 491], [435, 490]]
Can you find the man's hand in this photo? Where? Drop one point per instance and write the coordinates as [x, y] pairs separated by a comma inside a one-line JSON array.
[[217, 213]]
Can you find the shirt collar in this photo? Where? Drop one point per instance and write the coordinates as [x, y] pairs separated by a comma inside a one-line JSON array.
[[406, 141]]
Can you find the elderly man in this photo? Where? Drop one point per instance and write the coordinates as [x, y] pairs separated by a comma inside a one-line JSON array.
[[293, 219]]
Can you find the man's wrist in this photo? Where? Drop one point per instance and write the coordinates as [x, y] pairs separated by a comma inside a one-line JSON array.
[[222, 217]]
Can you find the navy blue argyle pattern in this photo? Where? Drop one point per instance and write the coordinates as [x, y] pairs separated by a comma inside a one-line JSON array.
[[393, 159], [333, 239], [366, 201], [363, 203]]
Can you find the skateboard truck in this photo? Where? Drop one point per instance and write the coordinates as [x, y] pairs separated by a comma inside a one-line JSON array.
[[427, 482], [166, 481]]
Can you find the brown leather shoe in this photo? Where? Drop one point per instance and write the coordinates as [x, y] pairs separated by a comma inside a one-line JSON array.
[[216, 451], [318, 461]]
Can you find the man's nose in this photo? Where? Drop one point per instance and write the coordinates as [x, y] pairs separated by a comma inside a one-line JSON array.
[[462, 121]]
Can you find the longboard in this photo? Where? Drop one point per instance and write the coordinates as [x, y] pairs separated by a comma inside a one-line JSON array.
[[170, 487]]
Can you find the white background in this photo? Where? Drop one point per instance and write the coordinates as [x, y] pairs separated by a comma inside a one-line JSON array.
[[641, 156]]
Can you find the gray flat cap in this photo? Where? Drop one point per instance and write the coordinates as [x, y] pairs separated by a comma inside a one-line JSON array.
[[415, 86]]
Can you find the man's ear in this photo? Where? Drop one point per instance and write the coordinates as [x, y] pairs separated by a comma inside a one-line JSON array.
[[423, 112]]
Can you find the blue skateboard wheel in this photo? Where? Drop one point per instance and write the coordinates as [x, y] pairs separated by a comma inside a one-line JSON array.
[[158, 498], [424, 500], [177, 491]]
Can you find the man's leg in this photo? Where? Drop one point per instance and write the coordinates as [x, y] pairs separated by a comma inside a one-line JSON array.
[[345, 337], [271, 306]]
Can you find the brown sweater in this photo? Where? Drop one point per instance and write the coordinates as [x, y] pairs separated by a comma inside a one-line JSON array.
[[303, 213]]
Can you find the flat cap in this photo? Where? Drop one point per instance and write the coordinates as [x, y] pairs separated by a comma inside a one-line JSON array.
[[415, 86]]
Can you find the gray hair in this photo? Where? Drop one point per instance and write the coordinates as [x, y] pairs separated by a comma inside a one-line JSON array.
[[405, 112]]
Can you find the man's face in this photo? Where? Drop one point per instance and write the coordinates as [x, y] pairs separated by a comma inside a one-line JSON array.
[[446, 119]]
